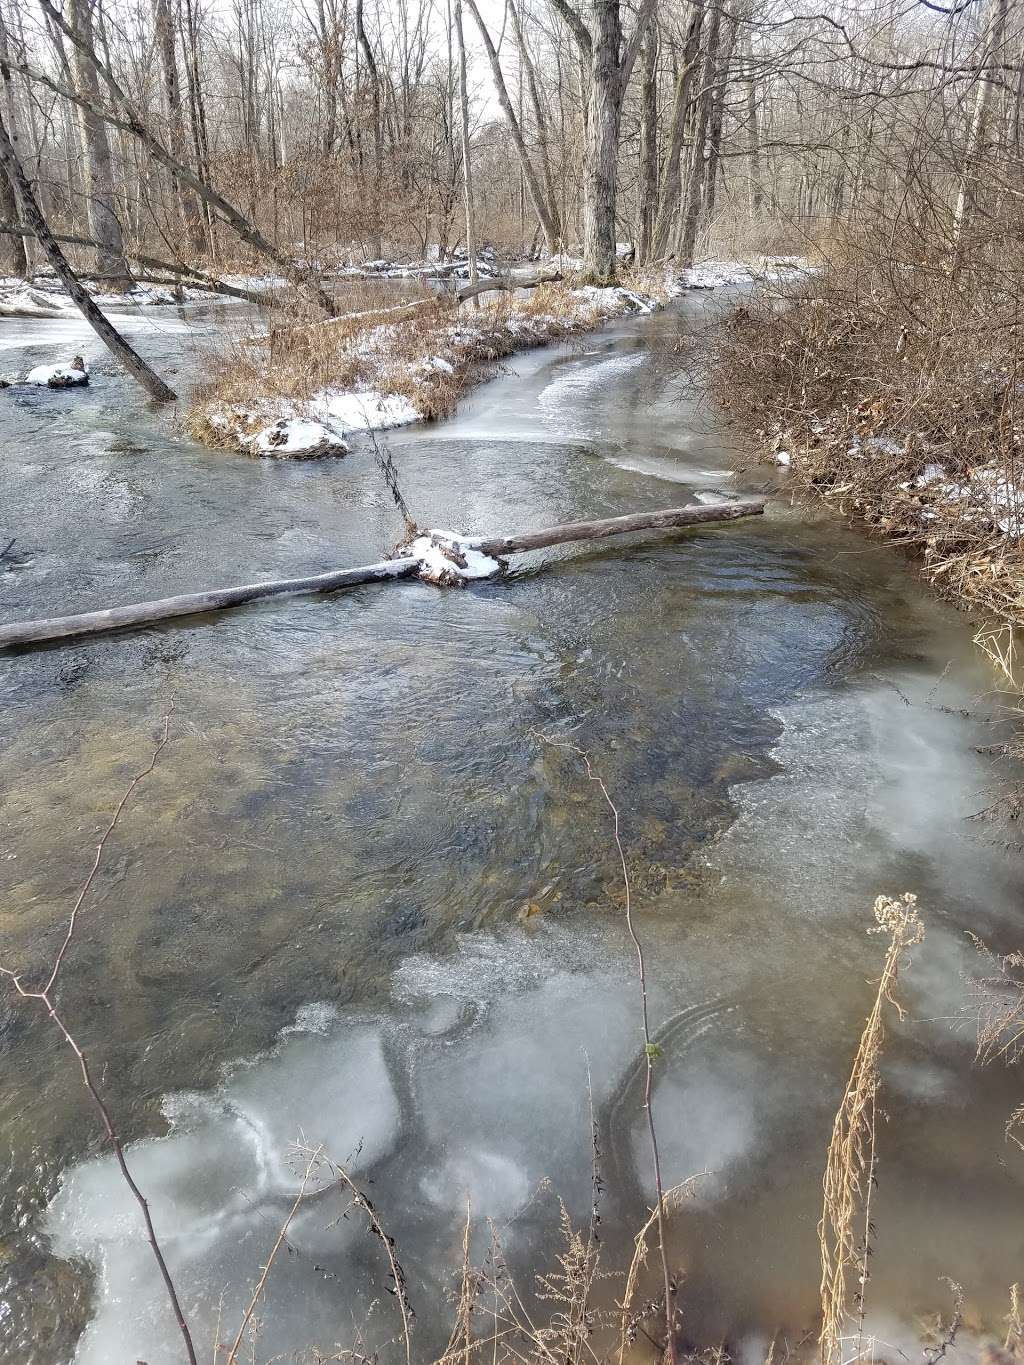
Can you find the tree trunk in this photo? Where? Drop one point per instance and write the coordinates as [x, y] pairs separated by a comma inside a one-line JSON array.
[[648, 182], [378, 128], [710, 188], [104, 225], [995, 37], [689, 221], [539, 119], [600, 164], [467, 163], [754, 188], [671, 177], [13, 250], [107, 333], [131, 121], [13, 256], [188, 205], [188, 604], [532, 183]]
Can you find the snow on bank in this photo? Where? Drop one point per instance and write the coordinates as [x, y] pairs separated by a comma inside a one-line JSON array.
[[987, 498], [308, 431], [295, 438], [366, 410], [980, 498], [718, 274]]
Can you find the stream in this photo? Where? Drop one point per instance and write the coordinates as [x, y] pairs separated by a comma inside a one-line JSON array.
[[363, 900]]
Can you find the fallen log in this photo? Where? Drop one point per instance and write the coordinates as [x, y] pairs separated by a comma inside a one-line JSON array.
[[193, 604], [503, 283], [618, 526]]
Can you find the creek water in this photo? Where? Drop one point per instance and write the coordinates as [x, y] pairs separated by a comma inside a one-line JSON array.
[[364, 901]]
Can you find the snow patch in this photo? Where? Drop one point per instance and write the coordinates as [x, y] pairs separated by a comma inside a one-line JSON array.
[[363, 410], [449, 560], [58, 376], [296, 438]]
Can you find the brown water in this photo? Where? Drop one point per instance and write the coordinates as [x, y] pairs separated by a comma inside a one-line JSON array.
[[312, 917]]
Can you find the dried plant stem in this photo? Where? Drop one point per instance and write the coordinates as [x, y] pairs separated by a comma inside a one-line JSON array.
[[44, 996], [361, 1201], [850, 1167], [650, 1047], [261, 1283]]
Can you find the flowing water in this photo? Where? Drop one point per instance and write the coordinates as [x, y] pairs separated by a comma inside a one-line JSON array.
[[364, 900]]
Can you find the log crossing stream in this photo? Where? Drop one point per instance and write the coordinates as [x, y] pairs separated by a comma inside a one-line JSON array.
[[362, 898]]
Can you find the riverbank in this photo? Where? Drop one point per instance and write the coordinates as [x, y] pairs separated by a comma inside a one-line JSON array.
[[299, 391], [907, 427]]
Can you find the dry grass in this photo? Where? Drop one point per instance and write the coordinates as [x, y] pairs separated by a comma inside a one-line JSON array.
[[876, 374], [845, 1228]]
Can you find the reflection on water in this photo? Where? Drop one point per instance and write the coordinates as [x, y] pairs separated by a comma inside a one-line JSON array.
[[313, 917]]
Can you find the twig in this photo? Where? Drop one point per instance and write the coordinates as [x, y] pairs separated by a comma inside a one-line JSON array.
[[261, 1283], [935, 1353], [386, 465], [651, 1050], [45, 998], [361, 1201]]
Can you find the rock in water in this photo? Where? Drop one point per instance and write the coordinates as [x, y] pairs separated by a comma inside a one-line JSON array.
[[60, 376]]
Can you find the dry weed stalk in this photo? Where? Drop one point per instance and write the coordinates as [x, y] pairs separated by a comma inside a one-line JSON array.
[[361, 1201], [999, 1003], [845, 1228], [651, 1049], [261, 1284], [45, 996], [630, 1319]]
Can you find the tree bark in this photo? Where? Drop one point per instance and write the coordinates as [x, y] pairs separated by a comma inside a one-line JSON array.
[[689, 220], [671, 177], [754, 188], [190, 604], [104, 224], [467, 161], [107, 333], [13, 251], [188, 206], [648, 182], [610, 66], [710, 185], [540, 119], [600, 163]]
